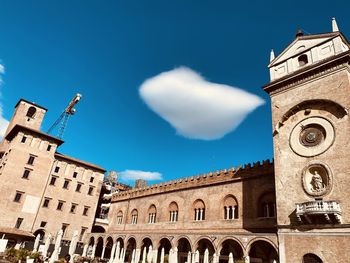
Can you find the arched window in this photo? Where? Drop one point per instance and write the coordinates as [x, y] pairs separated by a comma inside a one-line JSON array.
[[152, 212], [303, 60], [267, 205], [134, 217], [199, 210], [230, 208], [311, 258], [173, 212], [120, 218], [31, 112]]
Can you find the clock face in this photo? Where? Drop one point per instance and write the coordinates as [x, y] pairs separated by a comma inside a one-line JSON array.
[[312, 136]]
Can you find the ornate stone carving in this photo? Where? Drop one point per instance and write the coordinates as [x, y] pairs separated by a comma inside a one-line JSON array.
[[316, 179]]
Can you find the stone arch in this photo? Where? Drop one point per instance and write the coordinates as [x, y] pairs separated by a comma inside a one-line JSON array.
[[183, 246], [230, 245], [173, 212], [42, 233], [108, 247], [151, 214], [164, 243], [121, 242], [119, 217], [130, 246], [330, 106], [266, 204], [198, 210], [91, 241], [311, 258], [99, 247], [134, 216], [262, 249], [202, 243], [229, 207]]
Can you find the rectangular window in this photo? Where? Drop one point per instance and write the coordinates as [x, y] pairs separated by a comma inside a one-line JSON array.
[[31, 160], [18, 222], [43, 224], [64, 228], [75, 175], [49, 148], [91, 189], [24, 138], [82, 232], [78, 187], [85, 211], [26, 174], [53, 180], [46, 202], [18, 197], [60, 205], [92, 179], [65, 184], [57, 169], [73, 208]]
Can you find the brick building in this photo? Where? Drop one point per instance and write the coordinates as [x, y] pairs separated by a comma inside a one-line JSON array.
[[43, 190], [293, 210]]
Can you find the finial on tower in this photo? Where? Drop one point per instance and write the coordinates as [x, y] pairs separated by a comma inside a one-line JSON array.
[[299, 33], [334, 25], [272, 55]]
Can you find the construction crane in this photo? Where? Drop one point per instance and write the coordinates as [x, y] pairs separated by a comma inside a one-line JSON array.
[[63, 119]]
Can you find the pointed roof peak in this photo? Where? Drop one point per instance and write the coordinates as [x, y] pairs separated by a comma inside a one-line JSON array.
[[272, 55], [334, 25], [299, 33]]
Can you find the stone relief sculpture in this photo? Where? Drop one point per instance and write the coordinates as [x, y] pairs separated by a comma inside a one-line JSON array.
[[317, 182], [316, 179]]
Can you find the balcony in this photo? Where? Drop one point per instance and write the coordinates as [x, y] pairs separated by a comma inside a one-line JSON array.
[[107, 196], [102, 219], [319, 212]]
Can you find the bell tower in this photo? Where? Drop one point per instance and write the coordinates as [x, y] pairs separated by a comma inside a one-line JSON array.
[[310, 98], [27, 114]]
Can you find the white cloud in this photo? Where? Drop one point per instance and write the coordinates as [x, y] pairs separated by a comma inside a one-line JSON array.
[[3, 122], [128, 175], [196, 108]]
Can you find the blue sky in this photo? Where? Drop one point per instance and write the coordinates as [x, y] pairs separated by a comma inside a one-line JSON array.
[[106, 50]]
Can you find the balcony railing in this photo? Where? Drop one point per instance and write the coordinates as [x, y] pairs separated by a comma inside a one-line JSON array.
[[310, 212], [102, 219]]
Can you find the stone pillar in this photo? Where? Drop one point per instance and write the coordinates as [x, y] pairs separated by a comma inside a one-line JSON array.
[[201, 214], [93, 251], [103, 252], [85, 250], [233, 212], [112, 253], [155, 256]]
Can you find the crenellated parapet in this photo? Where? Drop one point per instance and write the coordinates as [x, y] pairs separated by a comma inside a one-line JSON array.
[[244, 172]]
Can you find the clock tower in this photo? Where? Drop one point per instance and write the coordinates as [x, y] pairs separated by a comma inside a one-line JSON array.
[[310, 98]]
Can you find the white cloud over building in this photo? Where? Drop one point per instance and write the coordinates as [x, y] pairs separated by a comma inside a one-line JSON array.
[[195, 107]]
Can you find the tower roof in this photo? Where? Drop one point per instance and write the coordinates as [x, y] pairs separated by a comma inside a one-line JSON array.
[[32, 103], [303, 43]]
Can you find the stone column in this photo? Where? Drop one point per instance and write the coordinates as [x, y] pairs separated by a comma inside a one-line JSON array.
[[233, 212], [201, 214], [103, 252], [85, 250], [112, 253], [93, 251]]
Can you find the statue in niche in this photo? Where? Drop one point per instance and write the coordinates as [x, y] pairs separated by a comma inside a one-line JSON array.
[[317, 183]]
